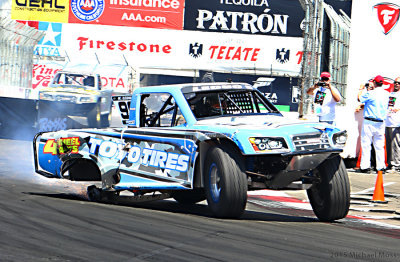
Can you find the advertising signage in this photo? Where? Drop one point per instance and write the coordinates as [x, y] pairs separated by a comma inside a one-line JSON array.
[[264, 17], [194, 50], [161, 14], [37, 10]]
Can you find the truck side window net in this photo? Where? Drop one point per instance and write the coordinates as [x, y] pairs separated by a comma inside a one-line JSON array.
[[228, 103]]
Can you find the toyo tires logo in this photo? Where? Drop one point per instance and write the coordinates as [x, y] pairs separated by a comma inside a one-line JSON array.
[[87, 10]]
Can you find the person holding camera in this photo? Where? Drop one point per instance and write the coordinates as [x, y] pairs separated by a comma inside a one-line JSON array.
[[392, 131], [325, 98], [375, 100]]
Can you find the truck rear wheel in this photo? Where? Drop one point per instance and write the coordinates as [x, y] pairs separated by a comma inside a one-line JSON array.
[[225, 182], [330, 195]]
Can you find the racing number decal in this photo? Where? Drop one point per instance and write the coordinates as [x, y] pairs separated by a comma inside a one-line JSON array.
[[50, 147], [124, 109]]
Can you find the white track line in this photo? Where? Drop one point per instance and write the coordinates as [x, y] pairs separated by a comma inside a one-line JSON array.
[[372, 188]]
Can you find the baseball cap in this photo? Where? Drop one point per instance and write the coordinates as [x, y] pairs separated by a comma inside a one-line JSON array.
[[325, 74], [378, 79]]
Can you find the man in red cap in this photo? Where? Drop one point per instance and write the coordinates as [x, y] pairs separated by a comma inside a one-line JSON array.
[[373, 130], [325, 98]]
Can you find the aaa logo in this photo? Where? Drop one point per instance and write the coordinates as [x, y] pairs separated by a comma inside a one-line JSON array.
[[87, 10], [388, 15]]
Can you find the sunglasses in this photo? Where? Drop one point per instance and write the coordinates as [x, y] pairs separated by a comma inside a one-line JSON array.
[[395, 82], [324, 78]]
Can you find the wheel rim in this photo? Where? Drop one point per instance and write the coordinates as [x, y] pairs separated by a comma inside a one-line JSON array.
[[215, 179]]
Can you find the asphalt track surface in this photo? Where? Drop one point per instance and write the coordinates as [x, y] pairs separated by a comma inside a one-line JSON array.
[[51, 220]]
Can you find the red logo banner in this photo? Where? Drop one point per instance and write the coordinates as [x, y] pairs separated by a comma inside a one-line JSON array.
[[162, 14], [388, 15]]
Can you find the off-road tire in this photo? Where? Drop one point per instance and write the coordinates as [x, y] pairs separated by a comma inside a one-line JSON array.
[[94, 117], [330, 195], [225, 182]]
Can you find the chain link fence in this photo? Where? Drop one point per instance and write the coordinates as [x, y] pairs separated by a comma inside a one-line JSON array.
[[326, 48], [17, 42]]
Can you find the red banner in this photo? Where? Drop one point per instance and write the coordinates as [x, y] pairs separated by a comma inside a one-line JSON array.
[[162, 14]]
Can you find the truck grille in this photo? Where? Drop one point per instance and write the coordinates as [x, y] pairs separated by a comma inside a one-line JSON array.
[[311, 141], [66, 98]]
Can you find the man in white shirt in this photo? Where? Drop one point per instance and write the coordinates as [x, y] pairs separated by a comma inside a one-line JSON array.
[[392, 130], [325, 98]]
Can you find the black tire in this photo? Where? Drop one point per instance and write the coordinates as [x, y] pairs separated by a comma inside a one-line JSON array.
[[330, 195], [225, 182], [105, 119], [189, 197], [94, 193], [94, 117]]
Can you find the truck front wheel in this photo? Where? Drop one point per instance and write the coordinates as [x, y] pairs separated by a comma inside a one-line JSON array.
[[94, 117], [330, 195], [225, 183]]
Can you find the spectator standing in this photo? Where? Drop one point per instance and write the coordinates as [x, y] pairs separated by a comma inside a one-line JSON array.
[[373, 129], [325, 98], [392, 130]]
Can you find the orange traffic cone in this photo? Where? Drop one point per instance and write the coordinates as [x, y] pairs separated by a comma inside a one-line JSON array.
[[379, 194]]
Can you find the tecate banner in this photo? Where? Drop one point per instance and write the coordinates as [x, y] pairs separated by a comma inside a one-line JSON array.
[[265, 17], [173, 49]]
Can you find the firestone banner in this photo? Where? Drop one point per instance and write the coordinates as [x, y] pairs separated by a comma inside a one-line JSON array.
[[264, 17], [173, 49], [163, 14]]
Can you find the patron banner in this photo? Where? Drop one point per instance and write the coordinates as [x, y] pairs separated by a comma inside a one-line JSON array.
[[155, 48], [163, 14], [265, 17]]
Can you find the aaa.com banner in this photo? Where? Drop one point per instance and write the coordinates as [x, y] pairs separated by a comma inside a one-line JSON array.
[[163, 14], [180, 49], [40, 10]]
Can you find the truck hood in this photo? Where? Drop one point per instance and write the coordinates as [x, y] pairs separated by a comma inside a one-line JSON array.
[[78, 90], [240, 129], [253, 122]]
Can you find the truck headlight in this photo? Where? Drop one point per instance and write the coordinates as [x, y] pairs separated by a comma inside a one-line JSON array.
[[44, 96], [264, 144], [88, 99], [339, 139]]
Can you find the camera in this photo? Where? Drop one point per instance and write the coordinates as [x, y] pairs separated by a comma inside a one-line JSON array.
[[322, 84]]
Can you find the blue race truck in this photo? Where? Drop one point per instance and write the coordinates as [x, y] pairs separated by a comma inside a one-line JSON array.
[[204, 141]]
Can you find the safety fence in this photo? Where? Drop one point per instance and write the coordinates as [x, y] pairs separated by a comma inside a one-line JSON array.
[[326, 48], [17, 42]]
